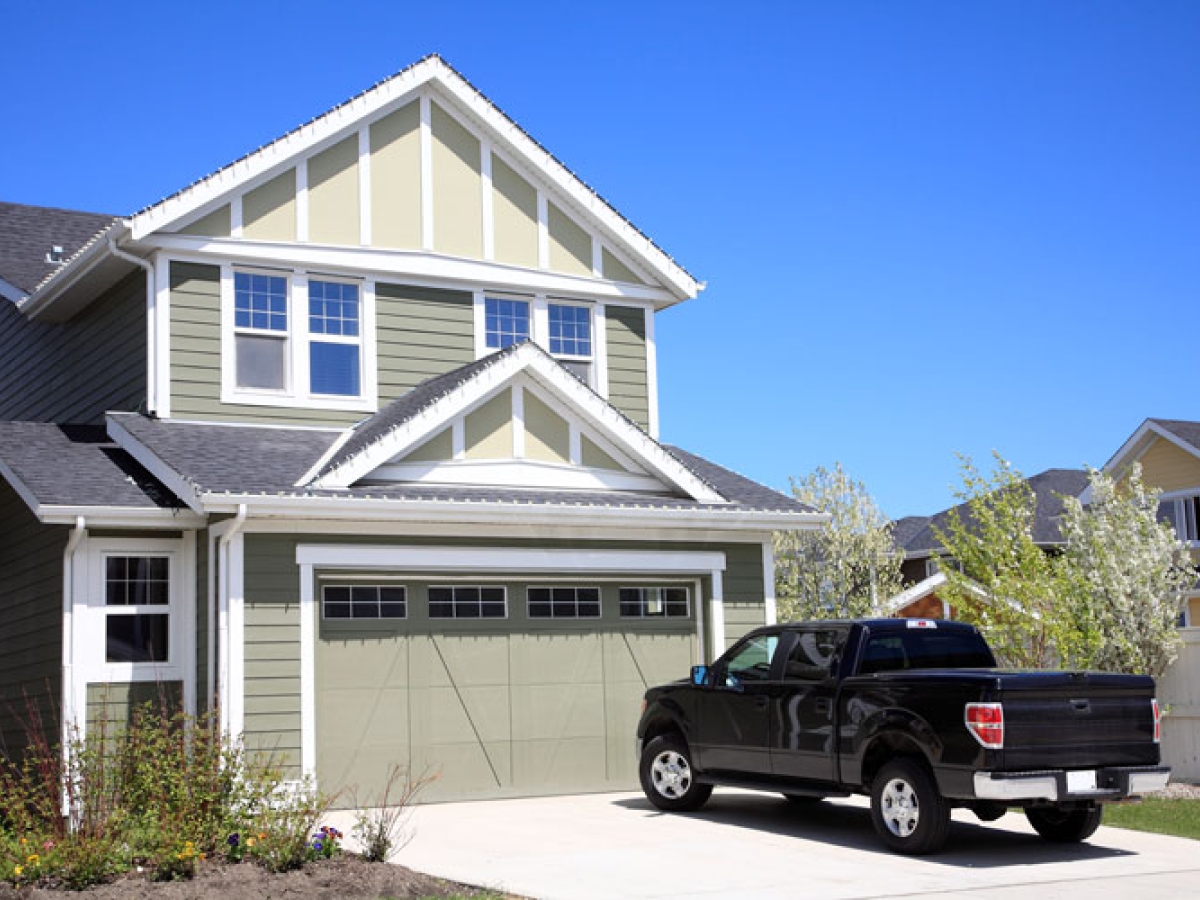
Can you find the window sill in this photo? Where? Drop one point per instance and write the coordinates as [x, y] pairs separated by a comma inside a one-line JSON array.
[[287, 401]]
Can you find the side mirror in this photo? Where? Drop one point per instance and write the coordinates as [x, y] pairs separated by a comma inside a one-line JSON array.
[[700, 675]]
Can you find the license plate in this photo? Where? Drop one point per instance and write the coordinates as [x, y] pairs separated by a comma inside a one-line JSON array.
[[1081, 782]]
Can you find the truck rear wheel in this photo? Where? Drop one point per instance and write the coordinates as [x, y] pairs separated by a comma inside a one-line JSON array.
[[668, 778], [1065, 826], [908, 813]]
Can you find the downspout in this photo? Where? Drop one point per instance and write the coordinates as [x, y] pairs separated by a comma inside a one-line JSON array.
[[235, 526], [151, 322], [69, 722]]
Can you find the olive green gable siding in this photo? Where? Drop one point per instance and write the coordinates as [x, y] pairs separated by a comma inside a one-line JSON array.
[[110, 706], [31, 568], [745, 607], [76, 371], [420, 333], [333, 201], [625, 329]]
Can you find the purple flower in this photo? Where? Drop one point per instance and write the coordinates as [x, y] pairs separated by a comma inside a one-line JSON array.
[[317, 845], [233, 840]]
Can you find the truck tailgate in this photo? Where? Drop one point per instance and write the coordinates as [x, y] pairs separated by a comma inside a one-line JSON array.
[[1077, 719]]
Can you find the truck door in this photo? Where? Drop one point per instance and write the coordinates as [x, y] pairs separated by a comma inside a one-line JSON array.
[[803, 729], [734, 720]]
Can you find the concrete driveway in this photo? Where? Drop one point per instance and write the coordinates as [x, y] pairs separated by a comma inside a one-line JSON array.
[[750, 845]]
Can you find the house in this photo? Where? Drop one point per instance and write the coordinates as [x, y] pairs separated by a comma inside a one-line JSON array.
[[916, 538], [1168, 451], [358, 437]]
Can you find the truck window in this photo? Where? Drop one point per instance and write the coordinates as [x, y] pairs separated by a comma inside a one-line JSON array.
[[921, 649], [813, 654], [753, 661]]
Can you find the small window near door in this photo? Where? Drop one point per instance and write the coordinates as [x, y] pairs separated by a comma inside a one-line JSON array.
[[136, 629], [364, 601], [564, 602], [654, 603], [462, 602], [812, 655]]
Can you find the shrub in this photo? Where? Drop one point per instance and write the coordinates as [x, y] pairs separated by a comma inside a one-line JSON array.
[[379, 823]]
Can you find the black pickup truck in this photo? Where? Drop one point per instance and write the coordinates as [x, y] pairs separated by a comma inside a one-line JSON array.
[[913, 713]]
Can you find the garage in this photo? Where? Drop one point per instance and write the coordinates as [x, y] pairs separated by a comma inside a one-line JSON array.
[[503, 685]]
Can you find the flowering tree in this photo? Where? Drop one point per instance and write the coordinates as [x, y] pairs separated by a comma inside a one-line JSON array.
[[845, 569], [1128, 574]]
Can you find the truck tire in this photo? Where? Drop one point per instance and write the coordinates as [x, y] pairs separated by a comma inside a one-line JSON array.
[[1065, 826], [668, 777], [908, 813]]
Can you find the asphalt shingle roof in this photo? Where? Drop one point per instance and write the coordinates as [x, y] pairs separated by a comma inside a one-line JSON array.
[[1186, 431], [1048, 489], [228, 459], [28, 232], [77, 465]]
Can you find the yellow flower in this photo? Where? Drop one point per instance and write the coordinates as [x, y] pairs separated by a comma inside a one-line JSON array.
[[203, 857], [250, 842], [262, 835], [33, 858], [17, 871], [24, 842]]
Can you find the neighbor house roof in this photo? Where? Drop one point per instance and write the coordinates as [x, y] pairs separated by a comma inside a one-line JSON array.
[[1048, 489], [1188, 432], [28, 234], [77, 468]]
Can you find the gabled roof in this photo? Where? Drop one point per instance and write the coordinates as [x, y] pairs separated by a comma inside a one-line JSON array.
[[904, 530], [430, 407], [1048, 489], [432, 71], [1183, 434], [63, 471], [28, 233]]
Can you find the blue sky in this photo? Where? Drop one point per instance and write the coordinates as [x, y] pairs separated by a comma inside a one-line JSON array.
[[926, 227]]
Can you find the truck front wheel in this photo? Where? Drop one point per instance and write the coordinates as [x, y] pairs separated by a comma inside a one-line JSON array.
[[668, 778], [1065, 826], [909, 814]]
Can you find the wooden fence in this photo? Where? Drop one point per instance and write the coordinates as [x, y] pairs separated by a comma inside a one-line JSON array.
[[1179, 693]]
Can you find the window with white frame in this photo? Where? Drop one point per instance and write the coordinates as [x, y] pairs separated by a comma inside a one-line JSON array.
[[570, 337], [137, 595], [1183, 513], [335, 338], [507, 322], [364, 601], [563, 602], [654, 602], [260, 320], [467, 602]]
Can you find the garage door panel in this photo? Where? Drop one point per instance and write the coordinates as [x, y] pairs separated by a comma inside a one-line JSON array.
[[464, 769], [364, 663], [543, 658], [362, 736], [557, 711], [443, 660], [576, 764], [444, 715], [660, 658]]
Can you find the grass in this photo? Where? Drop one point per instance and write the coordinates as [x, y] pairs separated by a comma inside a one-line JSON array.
[[1159, 815]]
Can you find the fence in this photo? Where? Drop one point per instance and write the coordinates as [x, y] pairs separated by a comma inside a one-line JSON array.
[[1179, 691]]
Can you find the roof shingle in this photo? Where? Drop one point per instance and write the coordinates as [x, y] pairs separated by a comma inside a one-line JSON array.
[[27, 233]]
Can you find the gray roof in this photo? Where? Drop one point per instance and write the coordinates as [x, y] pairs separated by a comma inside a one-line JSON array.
[[77, 465], [228, 459], [1185, 431], [1048, 487], [28, 232], [904, 530]]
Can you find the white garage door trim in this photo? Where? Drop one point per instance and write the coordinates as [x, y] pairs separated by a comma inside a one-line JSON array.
[[500, 560]]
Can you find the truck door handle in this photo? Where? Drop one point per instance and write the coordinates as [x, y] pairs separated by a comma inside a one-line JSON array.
[[761, 702]]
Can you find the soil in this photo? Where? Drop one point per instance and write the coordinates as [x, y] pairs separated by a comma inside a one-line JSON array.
[[1178, 790], [347, 876]]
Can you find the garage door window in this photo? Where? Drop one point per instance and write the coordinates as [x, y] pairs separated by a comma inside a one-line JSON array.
[[363, 601], [460, 602], [564, 603], [654, 603]]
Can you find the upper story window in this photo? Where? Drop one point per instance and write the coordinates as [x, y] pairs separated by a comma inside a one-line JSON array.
[[1184, 515], [298, 341], [507, 322], [571, 337]]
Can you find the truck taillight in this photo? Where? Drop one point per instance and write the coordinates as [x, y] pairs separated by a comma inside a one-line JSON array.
[[1157, 721], [985, 721]]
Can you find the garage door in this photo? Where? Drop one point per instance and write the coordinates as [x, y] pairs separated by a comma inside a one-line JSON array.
[[503, 688]]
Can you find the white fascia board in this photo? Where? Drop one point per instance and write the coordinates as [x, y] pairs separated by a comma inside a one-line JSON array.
[[21, 489], [11, 292], [172, 480], [484, 513], [385, 264], [517, 472], [1134, 448], [123, 517], [915, 592], [511, 559], [74, 269]]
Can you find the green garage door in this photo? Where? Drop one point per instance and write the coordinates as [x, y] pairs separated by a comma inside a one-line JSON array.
[[499, 702]]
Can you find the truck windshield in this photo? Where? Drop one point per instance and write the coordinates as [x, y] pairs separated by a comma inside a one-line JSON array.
[[925, 649]]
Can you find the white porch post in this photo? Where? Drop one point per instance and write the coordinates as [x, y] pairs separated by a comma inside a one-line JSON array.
[[716, 613]]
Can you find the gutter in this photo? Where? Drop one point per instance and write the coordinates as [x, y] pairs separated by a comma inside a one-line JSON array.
[[152, 351], [230, 530], [69, 723], [76, 267]]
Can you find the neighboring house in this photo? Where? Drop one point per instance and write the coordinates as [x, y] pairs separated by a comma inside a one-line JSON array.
[[916, 537], [358, 436]]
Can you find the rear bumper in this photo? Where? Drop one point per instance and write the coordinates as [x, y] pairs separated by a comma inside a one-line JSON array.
[[1113, 783]]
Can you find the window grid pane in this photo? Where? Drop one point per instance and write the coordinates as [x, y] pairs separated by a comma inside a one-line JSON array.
[[333, 308], [570, 330], [136, 639], [563, 602], [137, 581], [467, 602], [260, 301], [655, 603], [364, 601], [334, 369], [507, 322]]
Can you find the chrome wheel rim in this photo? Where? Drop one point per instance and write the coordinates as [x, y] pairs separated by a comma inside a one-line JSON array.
[[671, 774], [899, 807]]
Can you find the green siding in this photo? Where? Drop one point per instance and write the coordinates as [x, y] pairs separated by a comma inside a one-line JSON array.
[[627, 381], [110, 706], [420, 333], [31, 563], [745, 609], [48, 371]]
